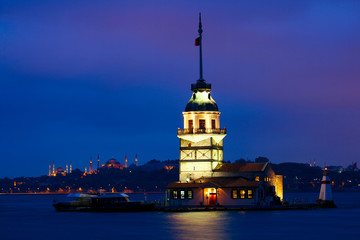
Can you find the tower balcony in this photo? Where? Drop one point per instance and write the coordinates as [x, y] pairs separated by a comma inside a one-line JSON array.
[[201, 130]]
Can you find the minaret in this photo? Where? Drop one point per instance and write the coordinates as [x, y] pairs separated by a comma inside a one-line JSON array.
[[98, 162], [53, 171], [70, 167], [90, 164], [126, 161], [49, 169], [201, 140], [67, 167], [85, 169], [136, 160]]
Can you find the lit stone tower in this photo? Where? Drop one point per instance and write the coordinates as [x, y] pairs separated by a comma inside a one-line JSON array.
[[201, 140]]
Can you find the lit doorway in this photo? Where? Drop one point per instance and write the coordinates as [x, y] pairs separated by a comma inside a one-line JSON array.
[[211, 196]]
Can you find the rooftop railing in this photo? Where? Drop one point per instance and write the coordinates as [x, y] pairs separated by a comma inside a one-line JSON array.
[[201, 130]]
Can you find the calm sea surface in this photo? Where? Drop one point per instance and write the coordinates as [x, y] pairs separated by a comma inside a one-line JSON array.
[[33, 217]]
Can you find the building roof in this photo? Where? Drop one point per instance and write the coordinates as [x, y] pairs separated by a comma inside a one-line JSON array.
[[220, 182], [113, 163], [201, 99], [241, 167]]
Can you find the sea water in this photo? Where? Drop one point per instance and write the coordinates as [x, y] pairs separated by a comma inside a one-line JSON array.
[[33, 217]]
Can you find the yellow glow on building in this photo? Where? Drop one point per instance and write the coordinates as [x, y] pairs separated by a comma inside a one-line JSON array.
[[277, 182]]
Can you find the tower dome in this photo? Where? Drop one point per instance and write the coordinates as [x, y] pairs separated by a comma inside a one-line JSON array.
[[201, 99]]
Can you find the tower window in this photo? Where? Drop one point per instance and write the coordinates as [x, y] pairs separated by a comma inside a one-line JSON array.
[[191, 124], [213, 125], [202, 123]]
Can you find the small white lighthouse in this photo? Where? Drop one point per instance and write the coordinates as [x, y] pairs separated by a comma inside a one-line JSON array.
[[325, 196]]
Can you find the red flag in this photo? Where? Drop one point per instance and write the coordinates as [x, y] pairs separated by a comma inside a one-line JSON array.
[[197, 41]]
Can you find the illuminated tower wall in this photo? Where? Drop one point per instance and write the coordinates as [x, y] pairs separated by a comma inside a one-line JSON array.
[[201, 139]]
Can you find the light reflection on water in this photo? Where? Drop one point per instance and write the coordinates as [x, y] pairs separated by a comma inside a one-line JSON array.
[[198, 225], [33, 217]]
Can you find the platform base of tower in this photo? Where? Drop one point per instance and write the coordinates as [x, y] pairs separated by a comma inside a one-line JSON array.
[[326, 203]]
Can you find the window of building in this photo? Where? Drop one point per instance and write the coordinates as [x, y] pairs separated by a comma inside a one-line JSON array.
[[191, 124], [242, 193], [250, 193], [213, 123], [175, 194], [234, 193], [182, 194], [189, 194], [202, 123], [257, 178]]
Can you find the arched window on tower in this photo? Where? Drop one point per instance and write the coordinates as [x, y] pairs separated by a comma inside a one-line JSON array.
[[191, 126], [213, 123], [202, 123]]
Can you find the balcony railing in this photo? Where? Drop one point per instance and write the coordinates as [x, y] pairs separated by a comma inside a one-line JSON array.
[[201, 130]]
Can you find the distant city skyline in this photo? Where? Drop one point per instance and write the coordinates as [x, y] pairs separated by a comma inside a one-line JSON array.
[[84, 78]]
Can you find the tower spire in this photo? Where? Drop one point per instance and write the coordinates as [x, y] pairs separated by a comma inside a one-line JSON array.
[[98, 162], [198, 42]]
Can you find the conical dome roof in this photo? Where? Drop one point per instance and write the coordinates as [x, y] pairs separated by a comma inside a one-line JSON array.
[[201, 99]]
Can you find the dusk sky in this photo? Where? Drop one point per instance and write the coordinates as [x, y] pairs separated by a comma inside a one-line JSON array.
[[82, 78]]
